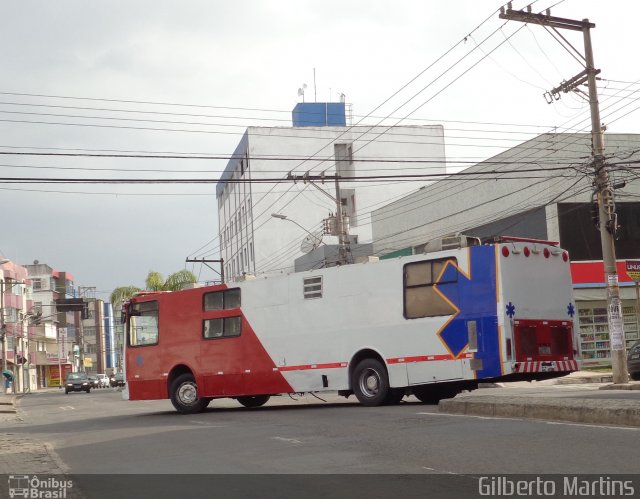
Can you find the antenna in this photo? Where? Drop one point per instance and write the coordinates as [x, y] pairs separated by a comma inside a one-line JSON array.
[[315, 96], [311, 241]]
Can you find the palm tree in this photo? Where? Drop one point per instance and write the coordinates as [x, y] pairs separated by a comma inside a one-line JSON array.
[[123, 293], [175, 281], [155, 282]]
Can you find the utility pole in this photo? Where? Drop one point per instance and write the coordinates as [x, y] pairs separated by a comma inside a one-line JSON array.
[[604, 191], [342, 230], [206, 261], [3, 335]]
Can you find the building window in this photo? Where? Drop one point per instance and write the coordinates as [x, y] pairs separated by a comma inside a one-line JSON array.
[[11, 315], [37, 284], [421, 299], [228, 327], [222, 300], [312, 287]]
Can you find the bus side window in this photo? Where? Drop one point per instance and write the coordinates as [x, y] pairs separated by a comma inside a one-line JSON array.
[[222, 300], [228, 327], [421, 299]]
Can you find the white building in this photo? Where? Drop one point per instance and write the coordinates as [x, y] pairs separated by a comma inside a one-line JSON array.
[[252, 241]]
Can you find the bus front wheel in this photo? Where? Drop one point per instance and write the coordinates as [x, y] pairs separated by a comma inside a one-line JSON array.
[[184, 395], [370, 382]]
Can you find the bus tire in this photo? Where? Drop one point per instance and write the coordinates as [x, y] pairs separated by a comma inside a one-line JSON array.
[[370, 382], [432, 394], [184, 395], [254, 400], [394, 397]]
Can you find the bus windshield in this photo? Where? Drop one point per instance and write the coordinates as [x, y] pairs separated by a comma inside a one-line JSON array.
[[143, 324]]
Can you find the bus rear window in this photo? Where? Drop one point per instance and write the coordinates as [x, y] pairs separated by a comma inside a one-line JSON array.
[[143, 324]]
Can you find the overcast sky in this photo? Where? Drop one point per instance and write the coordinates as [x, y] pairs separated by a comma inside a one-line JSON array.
[[102, 76]]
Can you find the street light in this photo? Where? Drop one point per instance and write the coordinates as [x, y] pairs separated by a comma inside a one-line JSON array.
[[284, 217]]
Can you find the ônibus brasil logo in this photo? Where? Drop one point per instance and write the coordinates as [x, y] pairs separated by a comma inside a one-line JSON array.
[[38, 488]]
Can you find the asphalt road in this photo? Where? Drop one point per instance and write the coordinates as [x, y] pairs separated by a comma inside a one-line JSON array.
[[101, 433]]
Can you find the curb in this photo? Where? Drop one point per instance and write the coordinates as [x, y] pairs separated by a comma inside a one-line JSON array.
[[626, 386], [580, 380], [618, 413], [7, 405]]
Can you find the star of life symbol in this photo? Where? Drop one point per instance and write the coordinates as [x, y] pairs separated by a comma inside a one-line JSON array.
[[31, 486]]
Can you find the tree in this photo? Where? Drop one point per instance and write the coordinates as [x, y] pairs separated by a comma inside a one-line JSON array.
[[174, 282], [155, 282], [123, 293]]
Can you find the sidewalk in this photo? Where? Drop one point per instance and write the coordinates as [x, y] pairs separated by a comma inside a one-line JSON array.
[[581, 397], [7, 404]]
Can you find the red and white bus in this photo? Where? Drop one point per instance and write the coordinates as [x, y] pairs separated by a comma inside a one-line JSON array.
[[427, 324]]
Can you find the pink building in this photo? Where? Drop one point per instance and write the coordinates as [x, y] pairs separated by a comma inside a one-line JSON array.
[[15, 318]]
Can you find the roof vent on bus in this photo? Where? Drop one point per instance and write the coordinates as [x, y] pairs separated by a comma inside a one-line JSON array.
[[452, 241]]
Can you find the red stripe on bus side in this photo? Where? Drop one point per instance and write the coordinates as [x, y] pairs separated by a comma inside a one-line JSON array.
[[397, 360], [427, 358], [332, 365]]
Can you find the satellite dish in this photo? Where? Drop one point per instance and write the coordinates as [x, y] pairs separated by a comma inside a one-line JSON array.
[[311, 241], [301, 91]]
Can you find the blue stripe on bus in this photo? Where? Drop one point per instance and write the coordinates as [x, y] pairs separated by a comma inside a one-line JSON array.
[[475, 297]]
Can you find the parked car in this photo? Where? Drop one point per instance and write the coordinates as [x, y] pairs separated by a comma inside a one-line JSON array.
[[77, 382], [103, 379], [633, 361], [95, 383], [117, 379]]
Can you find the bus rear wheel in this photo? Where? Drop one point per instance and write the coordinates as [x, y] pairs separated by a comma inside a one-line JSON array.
[[370, 382], [254, 401], [432, 394], [184, 395]]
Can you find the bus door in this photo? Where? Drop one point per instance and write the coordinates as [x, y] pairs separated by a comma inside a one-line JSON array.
[[144, 369]]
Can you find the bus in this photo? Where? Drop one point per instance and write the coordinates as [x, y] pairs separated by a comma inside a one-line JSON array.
[[428, 324]]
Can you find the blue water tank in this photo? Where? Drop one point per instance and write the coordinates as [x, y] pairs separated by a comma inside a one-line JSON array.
[[319, 114]]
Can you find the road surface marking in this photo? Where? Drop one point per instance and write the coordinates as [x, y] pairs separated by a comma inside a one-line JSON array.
[[568, 423], [289, 440], [67, 408], [586, 425], [204, 423]]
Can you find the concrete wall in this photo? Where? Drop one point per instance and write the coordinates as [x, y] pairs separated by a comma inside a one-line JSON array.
[[541, 172]]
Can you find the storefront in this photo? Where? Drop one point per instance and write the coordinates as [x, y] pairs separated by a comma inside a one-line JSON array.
[[591, 303], [53, 374]]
